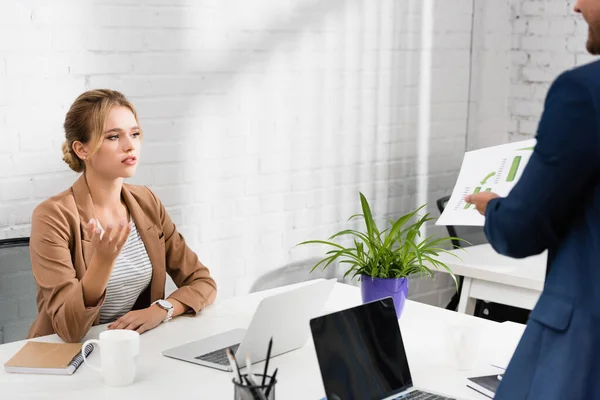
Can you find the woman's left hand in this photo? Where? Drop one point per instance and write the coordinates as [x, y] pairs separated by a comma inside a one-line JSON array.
[[140, 320]]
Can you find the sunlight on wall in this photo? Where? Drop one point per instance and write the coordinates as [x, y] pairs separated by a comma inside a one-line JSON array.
[[424, 104], [280, 123]]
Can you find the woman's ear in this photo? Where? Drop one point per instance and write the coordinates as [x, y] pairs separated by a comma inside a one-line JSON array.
[[80, 150]]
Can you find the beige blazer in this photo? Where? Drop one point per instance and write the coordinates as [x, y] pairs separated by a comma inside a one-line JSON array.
[[60, 250]]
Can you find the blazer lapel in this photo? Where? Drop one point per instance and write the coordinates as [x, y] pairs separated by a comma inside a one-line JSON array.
[[85, 205], [154, 246], [85, 209]]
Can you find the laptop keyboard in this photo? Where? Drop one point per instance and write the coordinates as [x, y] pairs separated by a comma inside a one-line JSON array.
[[218, 356], [418, 395]]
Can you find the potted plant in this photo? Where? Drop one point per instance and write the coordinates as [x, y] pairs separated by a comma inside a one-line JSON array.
[[383, 260]]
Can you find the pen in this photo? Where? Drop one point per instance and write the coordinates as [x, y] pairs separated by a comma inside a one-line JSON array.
[[271, 383], [267, 362], [234, 365]]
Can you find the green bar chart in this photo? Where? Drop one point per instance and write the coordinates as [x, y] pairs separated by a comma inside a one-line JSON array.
[[514, 167]]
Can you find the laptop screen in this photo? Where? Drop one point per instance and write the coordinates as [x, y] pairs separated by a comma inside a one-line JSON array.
[[360, 352]]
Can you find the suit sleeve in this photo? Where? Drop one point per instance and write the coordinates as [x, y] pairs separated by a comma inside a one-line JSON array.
[[55, 275], [538, 211], [196, 288]]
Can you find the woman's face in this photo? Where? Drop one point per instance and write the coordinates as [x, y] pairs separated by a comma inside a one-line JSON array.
[[119, 151]]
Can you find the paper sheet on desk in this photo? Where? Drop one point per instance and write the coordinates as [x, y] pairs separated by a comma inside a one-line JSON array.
[[493, 169], [511, 333]]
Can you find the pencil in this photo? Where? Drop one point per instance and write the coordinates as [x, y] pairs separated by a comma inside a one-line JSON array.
[[271, 383], [234, 364], [264, 378]]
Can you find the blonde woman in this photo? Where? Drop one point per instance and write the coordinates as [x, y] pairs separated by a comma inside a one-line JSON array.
[[101, 250]]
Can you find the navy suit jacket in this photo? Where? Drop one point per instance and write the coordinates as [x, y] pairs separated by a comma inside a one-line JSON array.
[[555, 206]]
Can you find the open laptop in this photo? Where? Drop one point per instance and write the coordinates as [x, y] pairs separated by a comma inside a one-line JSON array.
[[361, 354], [284, 317]]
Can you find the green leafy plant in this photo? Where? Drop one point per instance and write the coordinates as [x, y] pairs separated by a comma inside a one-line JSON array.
[[395, 252]]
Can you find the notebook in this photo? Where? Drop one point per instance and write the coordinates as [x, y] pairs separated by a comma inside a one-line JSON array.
[[486, 385], [47, 358]]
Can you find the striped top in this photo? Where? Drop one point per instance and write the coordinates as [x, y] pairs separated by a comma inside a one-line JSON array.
[[131, 275]]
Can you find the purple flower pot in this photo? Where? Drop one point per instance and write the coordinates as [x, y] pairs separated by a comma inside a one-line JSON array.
[[379, 288]]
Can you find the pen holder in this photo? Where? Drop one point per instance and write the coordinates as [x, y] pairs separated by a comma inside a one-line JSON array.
[[244, 391]]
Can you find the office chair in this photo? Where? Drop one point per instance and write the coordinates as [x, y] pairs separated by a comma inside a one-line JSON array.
[[295, 273], [492, 311], [18, 290]]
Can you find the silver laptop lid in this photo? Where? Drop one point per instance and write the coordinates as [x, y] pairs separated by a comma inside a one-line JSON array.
[[285, 317]]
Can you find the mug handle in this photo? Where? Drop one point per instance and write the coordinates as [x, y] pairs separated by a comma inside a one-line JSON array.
[[91, 341]]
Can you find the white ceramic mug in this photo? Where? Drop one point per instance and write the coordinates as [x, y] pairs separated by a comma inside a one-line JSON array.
[[464, 345], [118, 353]]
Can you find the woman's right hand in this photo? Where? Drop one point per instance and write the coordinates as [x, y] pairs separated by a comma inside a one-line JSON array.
[[106, 245]]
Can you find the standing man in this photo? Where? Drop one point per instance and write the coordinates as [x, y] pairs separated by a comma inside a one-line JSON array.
[[555, 206]]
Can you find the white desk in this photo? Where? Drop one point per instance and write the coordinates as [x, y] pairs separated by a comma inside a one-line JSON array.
[[423, 329], [492, 277]]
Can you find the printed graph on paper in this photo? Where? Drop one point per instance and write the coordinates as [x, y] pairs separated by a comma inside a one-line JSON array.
[[493, 169]]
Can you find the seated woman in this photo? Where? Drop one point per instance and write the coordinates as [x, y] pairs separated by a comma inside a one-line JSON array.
[[100, 250]]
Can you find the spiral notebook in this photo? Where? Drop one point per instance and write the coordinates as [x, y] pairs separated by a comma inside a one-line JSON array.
[[47, 358]]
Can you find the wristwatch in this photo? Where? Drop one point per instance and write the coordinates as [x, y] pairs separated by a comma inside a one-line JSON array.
[[165, 305]]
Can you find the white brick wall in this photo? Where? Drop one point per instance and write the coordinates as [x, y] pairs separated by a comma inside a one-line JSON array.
[[519, 48], [548, 38], [263, 119], [490, 74]]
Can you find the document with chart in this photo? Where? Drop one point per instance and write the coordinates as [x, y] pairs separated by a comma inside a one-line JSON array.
[[493, 169]]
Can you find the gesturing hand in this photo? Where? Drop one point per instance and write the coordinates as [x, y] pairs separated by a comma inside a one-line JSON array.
[[480, 200], [108, 244]]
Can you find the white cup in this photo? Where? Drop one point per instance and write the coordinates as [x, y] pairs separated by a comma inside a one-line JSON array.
[[463, 345], [118, 353]]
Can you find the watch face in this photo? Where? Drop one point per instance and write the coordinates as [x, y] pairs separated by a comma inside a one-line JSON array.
[[165, 304]]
